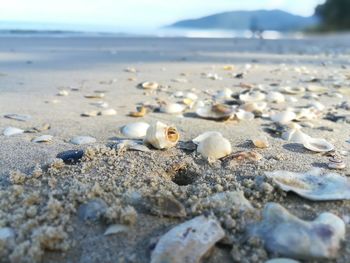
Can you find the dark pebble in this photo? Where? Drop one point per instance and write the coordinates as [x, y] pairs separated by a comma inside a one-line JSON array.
[[71, 156]]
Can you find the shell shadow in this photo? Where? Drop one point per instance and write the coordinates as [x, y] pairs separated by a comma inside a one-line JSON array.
[[295, 147]]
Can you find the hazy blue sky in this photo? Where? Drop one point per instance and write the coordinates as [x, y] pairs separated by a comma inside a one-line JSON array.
[[133, 13]]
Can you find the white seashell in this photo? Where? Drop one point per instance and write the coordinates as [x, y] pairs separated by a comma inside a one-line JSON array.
[[9, 131], [318, 145], [283, 117], [188, 242], [295, 135], [261, 142], [290, 236], [43, 138], [90, 114], [191, 96], [213, 76], [179, 94], [150, 85], [130, 70], [274, 96], [108, 112], [63, 93], [216, 112], [115, 229], [135, 130], [205, 135], [259, 106], [172, 108], [306, 114], [161, 136], [293, 90], [291, 99], [18, 117], [223, 95], [316, 88], [214, 147], [97, 95], [132, 145], [79, 140], [312, 185], [244, 115], [252, 96]]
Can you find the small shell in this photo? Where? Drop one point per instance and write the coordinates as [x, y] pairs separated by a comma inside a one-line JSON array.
[[306, 114], [172, 108], [18, 117], [43, 138], [79, 140], [252, 96], [244, 115], [223, 95], [317, 105], [260, 142], [115, 229], [150, 85], [63, 93], [191, 96], [162, 136], [276, 97], [283, 117], [295, 135], [108, 112], [205, 135], [214, 147], [228, 67], [130, 70], [216, 112], [9, 131], [100, 104], [135, 130], [89, 114], [142, 111], [97, 95], [316, 88], [336, 164], [318, 145], [293, 90]]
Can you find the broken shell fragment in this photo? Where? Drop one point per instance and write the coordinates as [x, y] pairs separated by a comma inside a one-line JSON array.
[[290, 236], [216, 112], [150, 85], [9, 131], [79, 140], [161, 136], [313, 185], [293, 90], [188, 242], [294, 134], [260, 142], [108, 112], [214, 147], [115, 229], [135, 130], [43, 138], [97, 95], [205, 135], [142, 111], [172, 108], [283, 117], [318, 145]]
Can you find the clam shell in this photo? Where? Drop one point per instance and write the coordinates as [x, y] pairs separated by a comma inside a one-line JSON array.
[[172, 108], [252, 96], [290, 236], [216, 112], [261, 142], [9, 131], [223, 95], [312, 185], [161, 136], [259, 106], [135, 130], [63, 93], [214, 147], [192, 96], [205, 135], [283, 117], [43, 138], [318, 145], [79, 140], [151, 85], [188, 242], [295, 135], [108, 112]]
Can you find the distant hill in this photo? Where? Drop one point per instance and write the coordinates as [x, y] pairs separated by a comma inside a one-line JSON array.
[[243, 20]]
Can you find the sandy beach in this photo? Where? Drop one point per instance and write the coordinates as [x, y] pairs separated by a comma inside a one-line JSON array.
[[150, 192]]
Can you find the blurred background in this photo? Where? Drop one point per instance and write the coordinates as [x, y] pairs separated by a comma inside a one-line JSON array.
[[173, 18]]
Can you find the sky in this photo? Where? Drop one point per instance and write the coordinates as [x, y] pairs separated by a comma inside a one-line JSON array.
[[135, 13]]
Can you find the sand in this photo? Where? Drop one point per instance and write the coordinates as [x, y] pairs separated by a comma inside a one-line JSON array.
[[42, 205]]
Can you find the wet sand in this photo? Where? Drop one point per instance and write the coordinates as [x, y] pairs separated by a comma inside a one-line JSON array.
[[33, 70]]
